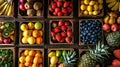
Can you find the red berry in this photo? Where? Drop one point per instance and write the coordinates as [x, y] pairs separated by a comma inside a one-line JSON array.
[[68, 39], [116, 63], [53, 38], [60, 23], [66, 4], [63, 34], [69, 29], [69, 9], [54, 5], [64, 10], [55, 0], [56, 30], [52, 33], [59, 14], [71, 4], [67, 23], [54, 13], [62, 40], [117, 53], [69, 33], [63, 28], [58, 37], [57, 10], [59, 4], [50, 9]]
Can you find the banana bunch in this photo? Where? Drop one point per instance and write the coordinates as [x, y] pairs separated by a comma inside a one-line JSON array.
[[6, 7], [114, 5]]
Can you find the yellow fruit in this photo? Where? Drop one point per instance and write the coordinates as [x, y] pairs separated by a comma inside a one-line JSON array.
[[83, 7], [28, 59], [41, 33], [95, 12], [2, 1], [36, 60], [34, 65], [118, 20], [51, 54], [28, 64], [39, 40], [31, 40], [21, 65], [100, 1], [22, 59], [96, 7], [35, 33], [24, 27], [30, 25], [90, 12], [12, 37], [24, 40], [26, 33], [86, 2], [41, 65], [54, 60], [31, 53], [85, 12], [111, 20], [89, 8], [26, 52], [38, 54], [100, 7], [53, 65], [92, 2], [106, 19]]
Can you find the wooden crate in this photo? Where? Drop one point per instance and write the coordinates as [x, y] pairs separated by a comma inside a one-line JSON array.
[[20, 39], [80, 21], [52, 43]]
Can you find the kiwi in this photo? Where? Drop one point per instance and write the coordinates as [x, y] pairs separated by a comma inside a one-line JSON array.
[[30, 12], [28, 5], [39, 13], [37, 5]]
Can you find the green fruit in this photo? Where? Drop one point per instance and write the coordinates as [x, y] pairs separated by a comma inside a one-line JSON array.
[[64, 52], [61, 59], [38, 25], [58, 53]]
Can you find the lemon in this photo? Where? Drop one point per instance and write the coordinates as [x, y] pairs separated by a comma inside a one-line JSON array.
[[30, 25], [86, 2], [24, 40], [85, 12], [96, 7], [100, 1], [51, 54], [54, 60], [22, 59], [26, 33], [92, 3], [23, 27], [31, 40], [100, 7], [89, 8], [95, 12], [90, 12], [83, 7]]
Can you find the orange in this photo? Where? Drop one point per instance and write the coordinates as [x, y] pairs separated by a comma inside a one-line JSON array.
[[36, 33], [21, 65], [26, 52], [36, 60], [31, 53], [40, 60], [28, 59], [22, 59], [39, 40], [34, 65], [41, 65], [38, 54], [28, 64]]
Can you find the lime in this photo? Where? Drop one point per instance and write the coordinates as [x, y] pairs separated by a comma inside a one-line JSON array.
[[38, 25], [58, 53], [64, 52]]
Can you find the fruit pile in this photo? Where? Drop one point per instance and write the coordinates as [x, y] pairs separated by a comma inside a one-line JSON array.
[[32, 33], [6, 58], [6, 7], [31, 7], [62, 58], [31, 58], [111, 22], [60, 7], [6, 32], [91, 7], [61, 31], [90, 31]]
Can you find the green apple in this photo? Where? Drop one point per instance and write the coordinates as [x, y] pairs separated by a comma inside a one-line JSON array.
[[38, 25]]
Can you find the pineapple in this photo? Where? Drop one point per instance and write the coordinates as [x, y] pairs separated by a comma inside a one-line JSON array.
[[113, 39], [70, 59], [93, 56]]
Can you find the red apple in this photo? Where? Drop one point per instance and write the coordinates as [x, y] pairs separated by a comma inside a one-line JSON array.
[[106, 27], [114, 27], [21, 7], [6, 41]]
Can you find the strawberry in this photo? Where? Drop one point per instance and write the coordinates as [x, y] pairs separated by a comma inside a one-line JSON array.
[[59, 4], [53, 38], [63, 28], [60, 23], [52, 33], [69, 9], [117, 53], [63, 34], [58, 37], [69, 33], [54, 5], [56, 30], [50, 9], [54, 13], [64, 10], [62, 40], [116, 63], [59, 14], [57, 10], [54, 24], [66, 4], [67, 23], [68, 39], [69, 29]]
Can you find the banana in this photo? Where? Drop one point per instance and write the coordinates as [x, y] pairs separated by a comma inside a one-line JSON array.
[[7, 9], [109, 1], [111, 4], [3, 10], [115, 7], [10, 10], [2, 5]]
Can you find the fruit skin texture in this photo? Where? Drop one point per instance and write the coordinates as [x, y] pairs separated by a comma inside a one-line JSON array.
[[23, 27], [39, 40], [38, 25], [31, 40], [36, 33], [117, 53], [106, 27], [68, 39], [53, 60], [116, 63], [56, 30], [69, 33], [58, 37], [6, 41], [114, 27]]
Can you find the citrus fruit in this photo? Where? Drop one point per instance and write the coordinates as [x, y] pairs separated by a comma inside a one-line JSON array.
[[34, 65], [36, 33], [95, 12], [100, 7], [31, 40], [21, 65], [38, 54], [39, 40], [26, 52], [28, 64], [38, 25], [86, 2], [41, 65], [53, 65], [36, 60], [85, 12], [100, 1], [41, 33], [31, 25], [31, 53], [28, 59], [24, 40], [51, 54], [53, 60], [89, 8], [64, 52], [22, 59], [58, 53], [96, 7], [23, 27], [26, 33], [90, 12], [92, 2], [83, 7]]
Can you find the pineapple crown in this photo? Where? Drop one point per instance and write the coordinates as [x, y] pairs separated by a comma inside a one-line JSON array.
[[100, 52]]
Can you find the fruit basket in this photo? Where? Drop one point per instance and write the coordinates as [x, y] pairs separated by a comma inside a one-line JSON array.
[[90, 31], [56, 57], [7, 57], [90, 9], [31, 9], [31, 57], [7, 33], [60, 8], [61, 32], [32, 33], [7, 8]]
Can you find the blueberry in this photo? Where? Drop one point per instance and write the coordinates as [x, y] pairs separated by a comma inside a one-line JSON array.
[[86, 31], [89, 34]]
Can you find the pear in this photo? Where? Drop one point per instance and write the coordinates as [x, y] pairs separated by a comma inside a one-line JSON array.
[[106, 19], [111, 20], [112, 14], [118, 20]]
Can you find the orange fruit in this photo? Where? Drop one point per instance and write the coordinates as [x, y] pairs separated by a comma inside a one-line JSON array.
[[36, 33], [39, 40], [26, 52], [22, 59], [41, 65], [21, 65], [34, 65], [22, 54], [28, 59], [40, 60], [28, 64], [31, 53], [41, 33], [38, 54], [36, 60]]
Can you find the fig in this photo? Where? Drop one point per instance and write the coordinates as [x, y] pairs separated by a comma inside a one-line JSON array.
[[28, 5], [37, 5], [30, 12], [39, 13]]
